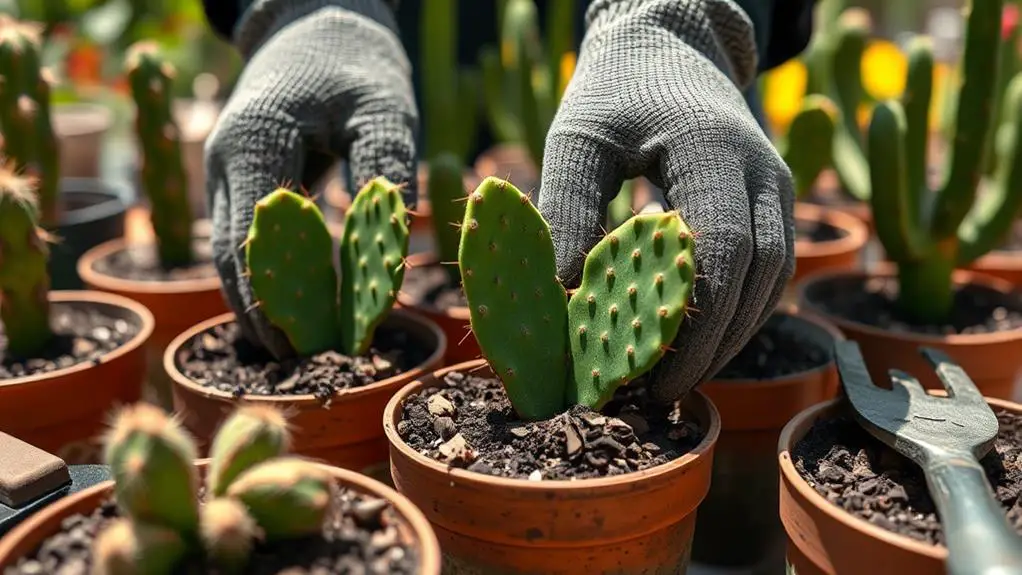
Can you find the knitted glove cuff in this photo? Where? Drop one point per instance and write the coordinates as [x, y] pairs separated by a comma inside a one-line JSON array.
[[719, 29], [265, 17]]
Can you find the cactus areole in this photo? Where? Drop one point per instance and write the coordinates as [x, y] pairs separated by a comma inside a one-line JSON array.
[[551, 351]]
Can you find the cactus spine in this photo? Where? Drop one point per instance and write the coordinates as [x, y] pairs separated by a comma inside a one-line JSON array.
[[24, 277], [25, 119], [547, 350], [151, 76]]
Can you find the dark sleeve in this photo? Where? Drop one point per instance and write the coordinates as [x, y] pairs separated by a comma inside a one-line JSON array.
[[783, 28], [222, 15]]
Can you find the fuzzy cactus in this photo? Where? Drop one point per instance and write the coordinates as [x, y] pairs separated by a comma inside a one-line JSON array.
[[550, 351], [24, 277], [228, 532], [806, 148], [929, 234], [251, 434], [287, 497], [25, 116], [150, 76], [450, 93], [126, 547], [447, 199]]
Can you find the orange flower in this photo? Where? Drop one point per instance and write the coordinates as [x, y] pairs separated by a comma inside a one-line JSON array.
[[84, 65]]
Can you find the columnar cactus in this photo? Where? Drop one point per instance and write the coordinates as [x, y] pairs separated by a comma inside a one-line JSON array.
[[29, 139], [164, 180], [550, 351], [450, 94], [24, 279], [255, 494], [447, 200]]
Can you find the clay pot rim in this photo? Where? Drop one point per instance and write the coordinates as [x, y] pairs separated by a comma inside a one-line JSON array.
[[791, 476], [855, 238], [307, 400], [97, 119], [91, 276], [147, 323], [886, 272], [429, 546], [999, 259], [429, 259], [679, 465]]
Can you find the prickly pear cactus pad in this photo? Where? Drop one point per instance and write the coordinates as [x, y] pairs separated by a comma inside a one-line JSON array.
[[518, 308], [289, 253], [373, 250], [630, 304]]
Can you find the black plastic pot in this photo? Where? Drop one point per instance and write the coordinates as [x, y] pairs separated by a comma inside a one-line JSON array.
[[91, 212]]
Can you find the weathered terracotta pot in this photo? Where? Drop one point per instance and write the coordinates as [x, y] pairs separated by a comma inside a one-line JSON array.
[[823, 539], [461, 344], [844, 253], [1005, 265], [63, 411], [80, 128], [29, 535], [742, 503], [636, 523], [348, 433]]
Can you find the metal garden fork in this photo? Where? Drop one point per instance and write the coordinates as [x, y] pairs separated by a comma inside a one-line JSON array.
[[946, 436]]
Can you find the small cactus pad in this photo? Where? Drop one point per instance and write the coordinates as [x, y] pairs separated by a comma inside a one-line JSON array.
[[128, 548], [447, 200], [251, 435], [518, 308], [630, 304], [373, 250], [152, 460], [228, 533], [289, 253], [288, 497], [808, 145]]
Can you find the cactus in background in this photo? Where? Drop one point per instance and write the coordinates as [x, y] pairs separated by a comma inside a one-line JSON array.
[[125, 547], [550, 351], [29, 139], [1009, 64], [929, 234], [450, 95], [150, 75], [806, 148], [849, 155], [288, 497], [446, 198], [24, 279], [253, 433]]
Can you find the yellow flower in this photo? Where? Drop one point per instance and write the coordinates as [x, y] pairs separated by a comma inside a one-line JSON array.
[[567, 70], [783, 88], [883, 70]]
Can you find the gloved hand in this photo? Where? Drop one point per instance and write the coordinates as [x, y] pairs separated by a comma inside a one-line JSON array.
[[323, 79], [657, 93]]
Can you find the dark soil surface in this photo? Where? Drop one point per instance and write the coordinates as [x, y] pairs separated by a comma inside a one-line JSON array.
[[977, 309], [81, 335], [361, 536], [817, 232], [469, 423], [140, 263], [778, 349], [856, 472], [222, 359], [431, 286]]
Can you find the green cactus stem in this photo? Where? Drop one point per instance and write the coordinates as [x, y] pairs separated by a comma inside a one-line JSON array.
[[1009, 64], [151, 76], [447, 199], [849, 155], [24, 277], [128, 548], [289, 253], [373, 251], [288, 497], [806, 148], [252, 434], [228, 533], [450, 94]]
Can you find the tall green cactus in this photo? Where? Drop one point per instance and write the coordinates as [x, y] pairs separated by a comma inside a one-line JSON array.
[[928, 234], [806, 148], [447, 200], [25, 115], [24, 279], [450, 94], [150, 75], [550, 351]]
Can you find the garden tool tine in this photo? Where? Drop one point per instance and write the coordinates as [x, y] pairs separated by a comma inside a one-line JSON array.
[[957, 383]]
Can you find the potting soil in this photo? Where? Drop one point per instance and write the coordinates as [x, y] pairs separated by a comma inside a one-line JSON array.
[[141, 264], [431, 285], [817, 232]]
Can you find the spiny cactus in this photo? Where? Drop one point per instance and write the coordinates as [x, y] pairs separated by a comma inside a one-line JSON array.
[[806, 148], [927, 233], [25, 118], [450, 94], [547, 350], [150, 75], [24, 278], [264, 496], [447, 199]]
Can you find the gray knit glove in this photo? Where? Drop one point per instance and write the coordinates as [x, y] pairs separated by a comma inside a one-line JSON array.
[[656, 93], [324, 79]]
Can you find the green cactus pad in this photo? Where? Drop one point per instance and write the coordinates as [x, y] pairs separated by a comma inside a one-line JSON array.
[[447, 199], [373, 250], [518, 308], [808, 142], [228, 533], [251, 435], [289, 253], [630, 304], [128, 548], [287, 497]]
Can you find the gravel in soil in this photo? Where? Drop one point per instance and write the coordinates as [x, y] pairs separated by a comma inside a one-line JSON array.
[[859, 474], [81, 335], [977, 309], [817, 232], [468, 422], [780, 348], [140, 263], [221, 358], [361, 535], [431, 286]]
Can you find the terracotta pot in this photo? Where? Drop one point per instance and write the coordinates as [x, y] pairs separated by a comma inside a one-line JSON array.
[[92, 211], [636, 523], [461, 344], [742, 503], [844, 253], [176, 306], [993, 360], [1005, 265], [511, 162], [348, 433], [80, 129], [827, 193], [63, 411], [823, 539], [27, 536]]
